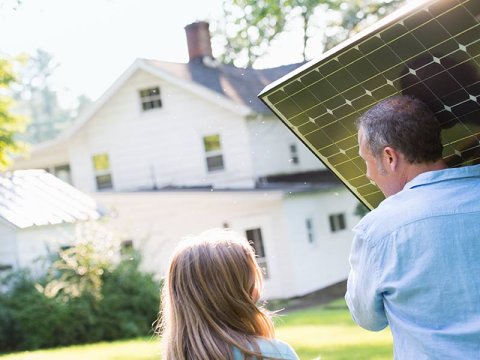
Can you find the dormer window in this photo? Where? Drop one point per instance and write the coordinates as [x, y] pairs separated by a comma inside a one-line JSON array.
[[150, 98]]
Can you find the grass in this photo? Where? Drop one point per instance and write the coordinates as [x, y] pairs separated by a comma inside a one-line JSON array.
[[325, 333]]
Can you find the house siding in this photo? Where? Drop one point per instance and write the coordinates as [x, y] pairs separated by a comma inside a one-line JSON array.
[[157, 221], [36, 242], [270, 148], [163, 146], [325, 261], [8, 251]]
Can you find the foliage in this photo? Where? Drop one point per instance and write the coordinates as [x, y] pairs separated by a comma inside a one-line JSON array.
[[250, 26], [130, 300], [38, 100], [361, 210], [126, 306], [79, 269], [10, 123]]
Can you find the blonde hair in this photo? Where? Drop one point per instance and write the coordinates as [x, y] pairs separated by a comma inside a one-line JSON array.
[[209, 300]]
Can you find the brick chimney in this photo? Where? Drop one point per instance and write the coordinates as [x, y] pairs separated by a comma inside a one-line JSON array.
[[198, 40]]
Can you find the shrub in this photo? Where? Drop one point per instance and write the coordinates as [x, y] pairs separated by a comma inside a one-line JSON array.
[[127, 305]]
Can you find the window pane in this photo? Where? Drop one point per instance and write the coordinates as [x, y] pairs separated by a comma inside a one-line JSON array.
[[101, 162], [333, 228], [341, 221], [215, 162], [5, 267], [255, 237], [212, 143], [150, 98], [104, 182]]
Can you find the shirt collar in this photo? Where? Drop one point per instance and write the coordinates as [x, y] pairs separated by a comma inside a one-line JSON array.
[[430, 177]]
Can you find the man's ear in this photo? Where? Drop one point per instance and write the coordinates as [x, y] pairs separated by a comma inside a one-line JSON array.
[[390, 158]]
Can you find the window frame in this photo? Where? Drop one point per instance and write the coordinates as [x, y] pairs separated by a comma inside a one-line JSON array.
[[338, 222], [255, 238], [98, 173], [213, 153], [151, 96], [294, 159], [310, 230]]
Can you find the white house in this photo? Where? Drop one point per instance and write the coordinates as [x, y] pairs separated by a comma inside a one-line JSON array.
[[175, 148], [301, 235], [37, 215]]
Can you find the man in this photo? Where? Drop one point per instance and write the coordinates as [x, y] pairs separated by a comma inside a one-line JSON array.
[[415, 260]]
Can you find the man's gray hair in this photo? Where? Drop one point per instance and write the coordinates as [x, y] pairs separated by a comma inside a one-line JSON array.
[[406, 124]]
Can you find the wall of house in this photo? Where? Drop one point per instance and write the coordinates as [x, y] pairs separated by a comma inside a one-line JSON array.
[[44, 158], [36, 242], [162, 146], [324, 261], [156, 221], [270, 143], [8, 253]]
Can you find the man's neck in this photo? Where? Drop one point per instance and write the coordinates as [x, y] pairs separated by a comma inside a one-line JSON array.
[[416, 169]]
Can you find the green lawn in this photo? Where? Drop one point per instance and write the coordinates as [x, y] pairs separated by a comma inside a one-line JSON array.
[[326, 333]]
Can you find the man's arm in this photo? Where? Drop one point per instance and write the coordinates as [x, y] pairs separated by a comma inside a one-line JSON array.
[[363, 297]]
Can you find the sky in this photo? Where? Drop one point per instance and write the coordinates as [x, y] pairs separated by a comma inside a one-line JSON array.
[[94, 41]]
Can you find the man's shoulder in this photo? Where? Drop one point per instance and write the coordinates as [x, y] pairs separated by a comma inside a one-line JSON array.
[[391, 214], [412, 205]]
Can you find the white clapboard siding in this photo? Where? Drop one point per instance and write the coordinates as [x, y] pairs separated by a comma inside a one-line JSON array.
[[270, 147], [157, 221], [8, 253], [162, 146], [37, 242], [325, 261], [45, 156]]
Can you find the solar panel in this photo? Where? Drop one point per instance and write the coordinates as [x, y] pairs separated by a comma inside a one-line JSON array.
[[430, 50]]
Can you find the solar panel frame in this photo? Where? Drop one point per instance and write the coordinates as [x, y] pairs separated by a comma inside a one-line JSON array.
[[320, 101]]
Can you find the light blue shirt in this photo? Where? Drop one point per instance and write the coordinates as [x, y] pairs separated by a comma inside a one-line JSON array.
[[271, 348], [415, 265]]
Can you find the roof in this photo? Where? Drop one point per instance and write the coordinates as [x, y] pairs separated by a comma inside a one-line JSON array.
[[241, 85], [35, 197]]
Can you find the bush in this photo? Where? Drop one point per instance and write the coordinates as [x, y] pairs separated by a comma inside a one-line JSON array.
[[29, 319], [130, 301]]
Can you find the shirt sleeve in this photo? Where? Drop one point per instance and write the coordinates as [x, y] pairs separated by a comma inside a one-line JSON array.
[[364, 297]]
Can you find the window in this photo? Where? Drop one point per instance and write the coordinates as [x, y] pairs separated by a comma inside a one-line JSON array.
[[293, 154], [103, 176], [63, 173], [150, 98], [5, 267], [256, 240], [213, 152], [126, 247], [310, 230], [337, 222]]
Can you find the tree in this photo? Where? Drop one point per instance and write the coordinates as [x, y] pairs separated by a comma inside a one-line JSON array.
[[250, 26], [38, 100], [10, 124]]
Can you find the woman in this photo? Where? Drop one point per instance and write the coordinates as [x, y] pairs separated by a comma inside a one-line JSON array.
[[209, 303]]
